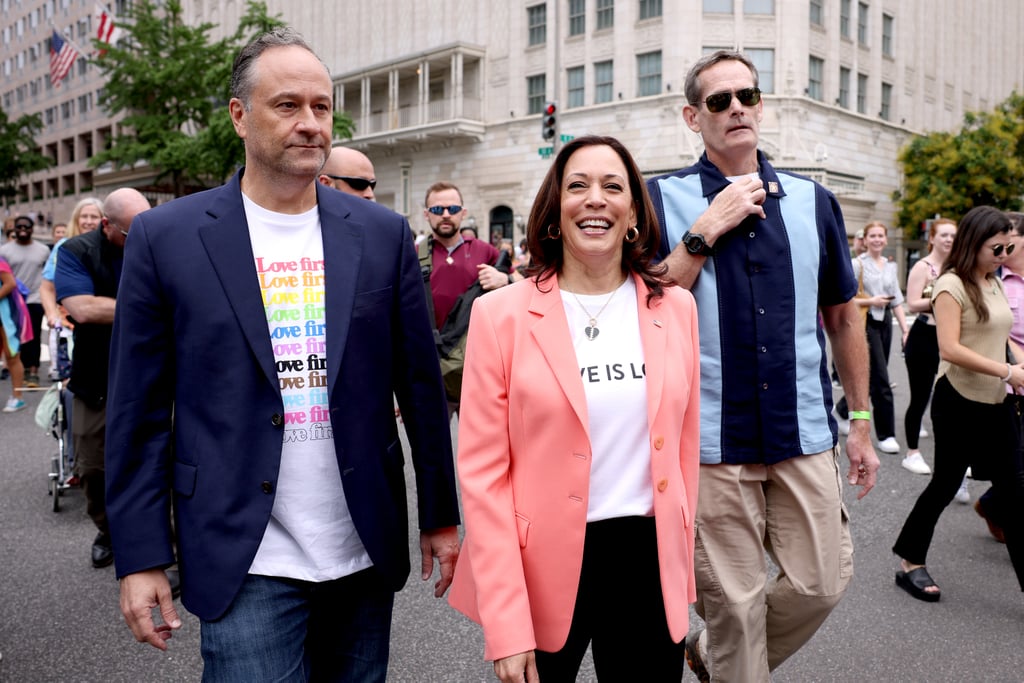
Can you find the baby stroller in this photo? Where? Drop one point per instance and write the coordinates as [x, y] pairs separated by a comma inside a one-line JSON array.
[[54, 414]]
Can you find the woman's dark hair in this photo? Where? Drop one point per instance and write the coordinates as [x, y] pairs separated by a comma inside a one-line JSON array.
[[546, 253], [979, 225], [1016, 221]]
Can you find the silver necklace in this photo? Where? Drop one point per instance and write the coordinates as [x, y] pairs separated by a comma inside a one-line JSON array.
[[591, 330]]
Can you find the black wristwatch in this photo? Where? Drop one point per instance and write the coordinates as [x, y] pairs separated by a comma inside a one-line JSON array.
[[696, 244]]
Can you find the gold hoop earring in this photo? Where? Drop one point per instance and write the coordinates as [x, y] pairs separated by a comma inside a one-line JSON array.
[[554, 232], [635, 236]]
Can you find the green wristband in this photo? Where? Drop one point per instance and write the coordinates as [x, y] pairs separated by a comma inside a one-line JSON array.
[[860, 414]]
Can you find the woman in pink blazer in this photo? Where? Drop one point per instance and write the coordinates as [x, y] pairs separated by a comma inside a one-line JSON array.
[[578, 440]]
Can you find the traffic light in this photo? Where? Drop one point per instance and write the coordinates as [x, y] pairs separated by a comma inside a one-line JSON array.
[[549, 121]]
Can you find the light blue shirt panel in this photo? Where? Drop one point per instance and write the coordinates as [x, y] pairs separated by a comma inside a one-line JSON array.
[[800, 221], [683, 202]]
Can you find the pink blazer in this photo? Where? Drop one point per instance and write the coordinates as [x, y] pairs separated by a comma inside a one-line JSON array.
[[524, 463]]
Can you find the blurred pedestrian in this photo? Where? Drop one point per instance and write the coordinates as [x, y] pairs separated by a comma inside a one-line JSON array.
[[15, 330], [27, 257]]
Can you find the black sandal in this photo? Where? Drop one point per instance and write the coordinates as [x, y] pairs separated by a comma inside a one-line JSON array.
[[915, 582]]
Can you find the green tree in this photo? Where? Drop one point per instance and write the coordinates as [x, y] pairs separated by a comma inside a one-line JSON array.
[[19, 153], [172, 83], [947, 174]]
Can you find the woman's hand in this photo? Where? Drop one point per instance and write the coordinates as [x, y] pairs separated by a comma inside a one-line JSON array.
[[1016, 377], [523, 666]]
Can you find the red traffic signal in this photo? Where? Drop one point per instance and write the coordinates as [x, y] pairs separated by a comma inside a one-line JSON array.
[[549, 121]]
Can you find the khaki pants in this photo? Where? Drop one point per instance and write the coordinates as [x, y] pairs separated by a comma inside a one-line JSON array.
[[89, 431], [794, 511]]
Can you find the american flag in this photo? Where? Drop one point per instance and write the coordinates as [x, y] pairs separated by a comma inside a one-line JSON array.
[[62, 56], [107, 30]]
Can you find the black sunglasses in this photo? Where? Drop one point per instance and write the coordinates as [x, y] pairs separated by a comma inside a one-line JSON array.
[[439, 210], [997, 249], [720, 101], [357, 184]]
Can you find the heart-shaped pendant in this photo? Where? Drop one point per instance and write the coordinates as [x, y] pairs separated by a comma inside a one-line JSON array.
[[591, 332]]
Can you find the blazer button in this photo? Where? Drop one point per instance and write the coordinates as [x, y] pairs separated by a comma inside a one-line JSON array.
[[276, 419], [662, 485], [659, 441], [267, 487]]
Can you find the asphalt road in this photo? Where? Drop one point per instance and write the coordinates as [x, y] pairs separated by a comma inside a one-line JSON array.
[[59, 617]]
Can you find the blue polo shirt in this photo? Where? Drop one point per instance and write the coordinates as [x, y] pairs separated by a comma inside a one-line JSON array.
[[765, 389]]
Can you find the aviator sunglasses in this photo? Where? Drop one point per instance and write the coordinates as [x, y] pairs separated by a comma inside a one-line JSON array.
[[997, 249], [357, 184], [720, 101], [439, 210]]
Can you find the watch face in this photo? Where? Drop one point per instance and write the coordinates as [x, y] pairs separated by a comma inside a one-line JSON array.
[[695, 244]]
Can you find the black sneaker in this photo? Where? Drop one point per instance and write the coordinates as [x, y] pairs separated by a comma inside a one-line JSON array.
[[102, 551]]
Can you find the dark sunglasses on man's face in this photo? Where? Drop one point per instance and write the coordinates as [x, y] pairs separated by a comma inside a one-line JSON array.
[[357, 184], [720, 101], [439, 210], [997, 249]]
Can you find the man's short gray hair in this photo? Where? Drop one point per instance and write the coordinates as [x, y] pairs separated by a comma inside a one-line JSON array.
[[242, 79], [692, 88]]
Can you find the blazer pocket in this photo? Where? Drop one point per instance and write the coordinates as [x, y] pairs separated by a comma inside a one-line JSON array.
[[523, 529], [372, 302], [185, 478]]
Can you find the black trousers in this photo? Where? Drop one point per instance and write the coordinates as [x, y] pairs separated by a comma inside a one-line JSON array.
[[879, 336], [922, 357], [990, 447], [619, 610], [30, 350]]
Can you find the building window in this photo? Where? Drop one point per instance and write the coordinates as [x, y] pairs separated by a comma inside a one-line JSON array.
[[536, 93], [862, 23], [764, 61], [844, 87], [575, 78], [648, 74], [887, 35], [604, 86], [650, 9], [605, 14], [759, 6], [815, 71], [862, 94], [720, 6], [886, 109], [816, 13], [844, 18], [577, 17], [537, 21]]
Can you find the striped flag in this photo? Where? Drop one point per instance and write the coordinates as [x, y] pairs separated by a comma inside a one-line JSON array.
[[62, 57], [106, 26]]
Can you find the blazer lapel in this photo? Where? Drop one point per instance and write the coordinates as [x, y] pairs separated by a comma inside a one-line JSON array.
[[653, 326], [225, 235], [551, 331]]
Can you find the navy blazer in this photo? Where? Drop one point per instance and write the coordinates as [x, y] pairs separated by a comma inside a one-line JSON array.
[[195, 412]]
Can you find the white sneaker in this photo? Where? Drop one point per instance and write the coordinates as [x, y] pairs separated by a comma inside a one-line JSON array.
[[844, 425], [915, 463], [923, 434], [889, 445], [962, 494]]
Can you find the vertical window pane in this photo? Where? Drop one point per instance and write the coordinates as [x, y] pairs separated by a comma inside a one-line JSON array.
[[887, 23], [862, 94], [537, 22], [536, 91], [862, 23], [575, 82], [816, 67], [577, 17], [886, 110], [844, 87], [816, 13], [604, 87], [650, 9], [764, 60], [605, 14], [648, 71], [844, 18]]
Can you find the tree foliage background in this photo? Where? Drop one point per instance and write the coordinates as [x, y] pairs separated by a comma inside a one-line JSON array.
[[947, 174], [19, 152], [172, 82]]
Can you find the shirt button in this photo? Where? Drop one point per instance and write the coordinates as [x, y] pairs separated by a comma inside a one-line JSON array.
[[751, 235], [659, 442], [765, 386], [761, 311], [267, 487], [764, 349], [276, 420]]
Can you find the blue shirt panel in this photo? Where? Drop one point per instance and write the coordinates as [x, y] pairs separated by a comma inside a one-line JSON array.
[[70, 277], [757, 300]]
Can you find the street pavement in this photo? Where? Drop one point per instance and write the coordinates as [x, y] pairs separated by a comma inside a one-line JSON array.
[[59, 617]]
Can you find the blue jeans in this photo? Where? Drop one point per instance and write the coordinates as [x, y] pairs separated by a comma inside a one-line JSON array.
[[288, 630]]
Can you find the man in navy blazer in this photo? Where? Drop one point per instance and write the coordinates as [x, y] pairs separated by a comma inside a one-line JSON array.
[[262, 329]]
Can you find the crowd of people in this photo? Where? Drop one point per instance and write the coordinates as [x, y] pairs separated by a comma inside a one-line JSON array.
[[643, 400]]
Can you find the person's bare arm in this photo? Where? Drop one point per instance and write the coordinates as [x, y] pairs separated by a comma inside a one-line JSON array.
[[86, 308]]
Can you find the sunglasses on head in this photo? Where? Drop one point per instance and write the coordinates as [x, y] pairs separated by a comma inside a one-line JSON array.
[[997, 249], [439, 210], [720, 101], [357, 184]]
